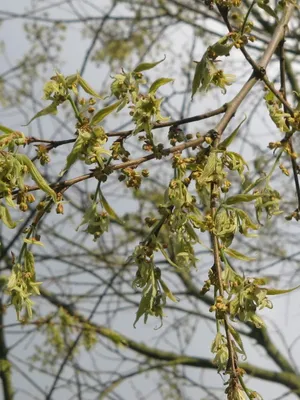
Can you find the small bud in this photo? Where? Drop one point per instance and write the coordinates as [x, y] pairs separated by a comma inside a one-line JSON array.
[[145, 173], [23, 207], [30, 198], [60, 208], [41, 205], [208, 140]]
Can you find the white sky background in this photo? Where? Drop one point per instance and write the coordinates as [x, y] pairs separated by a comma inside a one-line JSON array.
[[286, 309]]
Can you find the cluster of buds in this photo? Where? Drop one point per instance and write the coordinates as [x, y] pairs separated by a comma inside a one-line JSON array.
[[42, 154], [284, 170], [176, 135], [23, 199], [118, 151], [134, 178], [294, 120], [286, 147], [60, 206], [220, 307]]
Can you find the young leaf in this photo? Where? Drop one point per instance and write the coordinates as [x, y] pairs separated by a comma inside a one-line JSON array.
[[109, 210], [158, 83], [52, 109], [73, 156], [87, 88], [222, 47], [146, 66], [167, 291], [209, 168], [263, 4], [199, 74], [123, 104], [145, 305], [236, 254], [273, 292], [223, 145], [165, 254], [5, 129], [100, 115], [33, 241], [238, 340], [36, 176], [6, 218], [240, 198]]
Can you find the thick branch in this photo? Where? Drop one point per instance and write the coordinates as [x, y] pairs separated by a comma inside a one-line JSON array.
[[5, 367], [289, 380]]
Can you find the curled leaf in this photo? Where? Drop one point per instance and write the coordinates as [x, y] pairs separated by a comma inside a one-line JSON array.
[[158, 83], [87, 88], [36, 176], [6, 218]]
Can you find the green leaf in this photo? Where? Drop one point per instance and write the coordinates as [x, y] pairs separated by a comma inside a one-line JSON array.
[[87, 88], [165, 254], [5, 129], [52, 109], [241, 198], [236, 254], [6, 218], [100, 115], [123, 104], [167, 291], [108, 209], [146, 66], [71, 79], [73, 156], [223, 145], [246, 218], [255, 183], [238, 340], [264, 6], [33, 241], [209, 168], [273, 292], [199, 73], [158, 83], [35, 175], [222, 47], [145, 305]]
